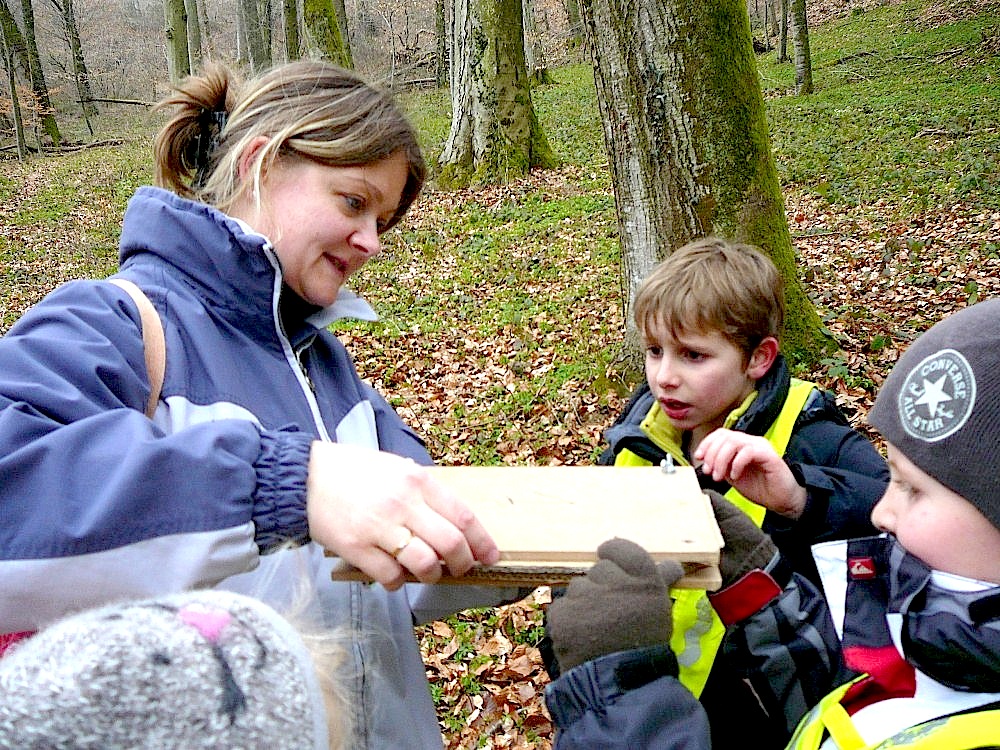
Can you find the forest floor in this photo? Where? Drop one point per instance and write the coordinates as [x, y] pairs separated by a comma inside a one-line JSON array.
[[487, 675], [501, 306], [878, 275]]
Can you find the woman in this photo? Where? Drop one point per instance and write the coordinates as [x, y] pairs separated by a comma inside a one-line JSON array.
[[264, 437]]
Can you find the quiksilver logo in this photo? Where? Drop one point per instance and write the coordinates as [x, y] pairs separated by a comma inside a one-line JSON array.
[[861, 568], [937, 396]]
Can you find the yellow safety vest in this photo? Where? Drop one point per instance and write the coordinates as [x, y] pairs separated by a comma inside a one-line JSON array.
[[698, 631], [829, 720]]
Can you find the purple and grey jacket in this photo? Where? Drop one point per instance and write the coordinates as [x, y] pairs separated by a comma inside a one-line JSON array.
[[99, 503]]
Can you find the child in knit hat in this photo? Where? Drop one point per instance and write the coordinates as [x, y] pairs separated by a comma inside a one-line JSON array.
[[902, 648], [203, 669]]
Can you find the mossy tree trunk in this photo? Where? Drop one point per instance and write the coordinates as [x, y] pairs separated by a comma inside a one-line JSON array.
[[46, 114], [534, 50], [440, 44], [783, 33], [686, 134], [193, 33], [341, 9], [255, 30], [290, 15], [255, 26], [323, 32], [575, 23], [800, 43], [17, 50], [8, 55], [176, 35], [495, 134]]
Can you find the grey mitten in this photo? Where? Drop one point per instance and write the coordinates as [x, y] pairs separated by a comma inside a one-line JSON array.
[[746, 546], [622, 603]]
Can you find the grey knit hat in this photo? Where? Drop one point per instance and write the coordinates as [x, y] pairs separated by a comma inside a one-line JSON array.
[[940, 405], [206, 669]]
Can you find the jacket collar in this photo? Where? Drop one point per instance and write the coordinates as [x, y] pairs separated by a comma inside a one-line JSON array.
[[220, 258]]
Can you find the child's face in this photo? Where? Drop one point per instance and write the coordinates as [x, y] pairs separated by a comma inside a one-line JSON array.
[[698, 378], [325, 221], [937, 525]]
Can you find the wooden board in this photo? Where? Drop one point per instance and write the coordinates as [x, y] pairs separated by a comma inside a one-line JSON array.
[[695, 576], [548, 521]]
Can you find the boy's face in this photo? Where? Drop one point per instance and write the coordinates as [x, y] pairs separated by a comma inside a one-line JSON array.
[[937, 525], [698, 378]]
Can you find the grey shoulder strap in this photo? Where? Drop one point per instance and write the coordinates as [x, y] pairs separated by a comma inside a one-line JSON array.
[[153, 341]]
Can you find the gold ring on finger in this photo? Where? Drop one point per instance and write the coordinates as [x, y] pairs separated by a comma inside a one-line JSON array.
[[398, 549]]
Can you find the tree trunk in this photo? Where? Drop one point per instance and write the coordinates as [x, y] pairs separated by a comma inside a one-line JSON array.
[[176, 35], [193, 34], [80, 75], [206, 34], [290, 14], [256, 46], [46, 114], [800, 42], [575, 24], [323, 30], [345, 37], [686, 134], [7, 50], [534, 52], [17, 50], [242, 58], [495, 135], [264, 15], [441, 43], [783, 42]]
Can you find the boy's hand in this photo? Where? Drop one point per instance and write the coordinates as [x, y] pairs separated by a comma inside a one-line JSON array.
[[751, 465], [622, 603], [746, 546]]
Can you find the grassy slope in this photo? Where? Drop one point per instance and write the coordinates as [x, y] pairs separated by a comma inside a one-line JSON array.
[[904, 111]]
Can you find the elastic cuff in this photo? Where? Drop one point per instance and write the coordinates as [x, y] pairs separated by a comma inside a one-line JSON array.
[[593, 685], [279, 510], [751, 593], [645, 665], [818, 490]]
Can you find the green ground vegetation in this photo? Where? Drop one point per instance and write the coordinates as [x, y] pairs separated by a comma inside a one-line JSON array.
[[511, 295]]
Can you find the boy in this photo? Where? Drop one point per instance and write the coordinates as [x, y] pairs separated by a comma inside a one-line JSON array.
[[910, 623], [719, 397]]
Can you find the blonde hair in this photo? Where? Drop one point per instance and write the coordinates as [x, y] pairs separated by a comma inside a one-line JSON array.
[[307, 109], [712, 284], [329, 649]]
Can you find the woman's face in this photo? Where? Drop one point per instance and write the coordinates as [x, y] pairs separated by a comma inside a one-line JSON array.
[[325, 221]]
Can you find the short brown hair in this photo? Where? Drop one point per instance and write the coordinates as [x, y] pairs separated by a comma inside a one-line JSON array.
[[712, 284]]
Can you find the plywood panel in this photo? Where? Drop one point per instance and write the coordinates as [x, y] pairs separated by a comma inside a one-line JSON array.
[[548, 521]]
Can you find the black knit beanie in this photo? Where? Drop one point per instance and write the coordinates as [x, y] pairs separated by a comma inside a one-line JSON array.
[[940, 405]]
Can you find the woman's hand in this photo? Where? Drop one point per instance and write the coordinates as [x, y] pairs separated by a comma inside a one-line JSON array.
[[385, 514]]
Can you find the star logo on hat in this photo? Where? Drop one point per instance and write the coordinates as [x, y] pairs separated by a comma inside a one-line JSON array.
[[937, 396], [933, 395]]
